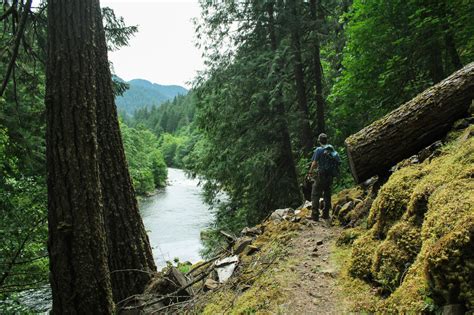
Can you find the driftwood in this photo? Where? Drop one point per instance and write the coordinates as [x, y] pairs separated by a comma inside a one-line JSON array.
[[411, 127]]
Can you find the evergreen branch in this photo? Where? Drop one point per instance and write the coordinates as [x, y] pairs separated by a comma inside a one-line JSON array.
[[19, 35]]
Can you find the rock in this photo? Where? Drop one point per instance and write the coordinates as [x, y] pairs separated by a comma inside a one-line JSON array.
[[210, 284], [462, 123], [255, 231], [281, 214], [315, 249], [168, 282], [181, 279], [295, 219], [307, 204], [347, 207], [468, 133], [319, 243], [329, 272], [240, 244], [251, 249], [429, 151], [369, 182], [225, 267]]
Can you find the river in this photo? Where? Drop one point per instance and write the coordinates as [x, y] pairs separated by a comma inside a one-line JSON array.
[[174, 218]]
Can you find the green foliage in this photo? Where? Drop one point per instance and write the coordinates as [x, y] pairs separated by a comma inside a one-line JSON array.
[[394, 50], [146, 162]]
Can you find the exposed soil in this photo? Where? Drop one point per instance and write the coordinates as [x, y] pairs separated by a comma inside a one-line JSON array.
[[314, 288]]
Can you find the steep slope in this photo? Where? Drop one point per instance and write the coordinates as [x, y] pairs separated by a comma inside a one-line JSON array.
[[406, 248], [415, 247], [143, 93]]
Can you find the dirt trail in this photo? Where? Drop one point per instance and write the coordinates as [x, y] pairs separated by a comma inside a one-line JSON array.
[[314, 290]]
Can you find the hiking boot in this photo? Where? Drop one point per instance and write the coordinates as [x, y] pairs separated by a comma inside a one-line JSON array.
[[327, 222]]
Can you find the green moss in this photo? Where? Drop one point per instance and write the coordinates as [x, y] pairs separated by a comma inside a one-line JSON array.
[[361, 258], [394, 255], [424, 220], [358, 292], [347, 195], [450, 265], [348, 236], [412, 296], [393, 198]]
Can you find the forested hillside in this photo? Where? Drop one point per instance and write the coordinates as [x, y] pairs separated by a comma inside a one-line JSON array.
[[278, 73], [144, 94]]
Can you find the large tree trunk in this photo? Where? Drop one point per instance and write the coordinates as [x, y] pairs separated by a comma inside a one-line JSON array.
[[286, 170], [80, 279], [412, 126], [306, 134], [128, 244], [318, 72]]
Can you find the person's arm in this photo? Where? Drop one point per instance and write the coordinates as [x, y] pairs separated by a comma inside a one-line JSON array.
[[314, 165]]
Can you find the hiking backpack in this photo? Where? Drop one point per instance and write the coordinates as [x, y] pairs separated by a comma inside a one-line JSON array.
[[329, 161]]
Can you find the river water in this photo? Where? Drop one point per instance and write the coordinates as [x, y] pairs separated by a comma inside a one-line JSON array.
[[173, 218]]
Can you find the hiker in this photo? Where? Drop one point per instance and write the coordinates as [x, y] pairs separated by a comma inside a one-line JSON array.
[[326, 162]]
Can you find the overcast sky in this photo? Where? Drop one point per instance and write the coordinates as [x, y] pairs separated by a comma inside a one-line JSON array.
[[162, 50]]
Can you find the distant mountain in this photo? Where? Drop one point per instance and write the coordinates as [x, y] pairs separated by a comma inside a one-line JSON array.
[[143, 93]]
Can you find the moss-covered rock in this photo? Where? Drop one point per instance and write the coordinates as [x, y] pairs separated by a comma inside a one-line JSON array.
[[361, 258], [394, 255], [450, 265], [392, 199], [419, 245]]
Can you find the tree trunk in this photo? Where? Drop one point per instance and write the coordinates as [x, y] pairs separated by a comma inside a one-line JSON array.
[[452, 51], [128, 244], [411, 127], [80, 279], [318, 73], [306, 134], [286, 170]]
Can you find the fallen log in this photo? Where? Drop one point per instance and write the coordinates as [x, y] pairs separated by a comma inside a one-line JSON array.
[[411, 127]]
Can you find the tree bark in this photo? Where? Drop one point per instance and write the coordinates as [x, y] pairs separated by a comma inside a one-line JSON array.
[[318, 73], [306, 134], [411, 127], [128, 244], [80, 279]]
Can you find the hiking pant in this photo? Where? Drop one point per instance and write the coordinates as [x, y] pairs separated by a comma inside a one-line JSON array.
[[321, 188]]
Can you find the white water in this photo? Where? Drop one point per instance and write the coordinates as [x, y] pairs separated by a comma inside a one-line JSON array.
[[174, 219]]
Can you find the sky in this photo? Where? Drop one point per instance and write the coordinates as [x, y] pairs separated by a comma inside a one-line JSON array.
[[162, 51]]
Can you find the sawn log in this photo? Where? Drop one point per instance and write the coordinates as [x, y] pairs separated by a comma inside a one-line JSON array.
[[411, 127]]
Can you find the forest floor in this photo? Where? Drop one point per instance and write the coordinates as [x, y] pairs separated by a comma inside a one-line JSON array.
[[314, 288]]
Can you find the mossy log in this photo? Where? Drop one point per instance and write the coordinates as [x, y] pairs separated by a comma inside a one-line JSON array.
[[411, 127]]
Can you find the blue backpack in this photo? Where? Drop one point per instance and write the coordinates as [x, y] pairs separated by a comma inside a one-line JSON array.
[[329, 161]]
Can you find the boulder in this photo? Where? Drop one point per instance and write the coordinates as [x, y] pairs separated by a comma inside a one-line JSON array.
[[240, 244], [225, 267], [251, 249], [281, 214], [210, 284], [255, 231]]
